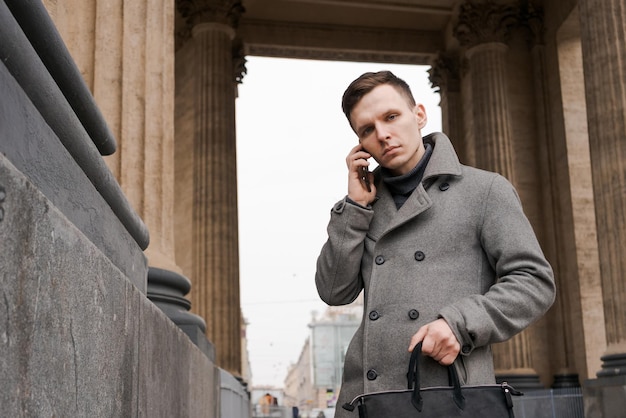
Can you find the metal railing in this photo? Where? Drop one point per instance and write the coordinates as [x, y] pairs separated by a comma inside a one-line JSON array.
[[550, 403]]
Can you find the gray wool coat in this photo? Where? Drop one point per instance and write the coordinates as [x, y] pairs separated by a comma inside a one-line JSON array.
[[460, 248]]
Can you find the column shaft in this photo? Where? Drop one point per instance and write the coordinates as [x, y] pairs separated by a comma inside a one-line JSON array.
[[445, 74], [494, 152], [216, 254], [604, 60], [491, 108], [453, 121], [484, 29]]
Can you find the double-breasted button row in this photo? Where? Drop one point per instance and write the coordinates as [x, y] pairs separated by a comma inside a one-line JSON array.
[[372, 374], [419, 256], [466, 349], [444, 186], [413, 314]]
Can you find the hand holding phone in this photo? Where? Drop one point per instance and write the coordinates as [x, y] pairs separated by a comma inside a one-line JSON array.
[[360, 187], [364, 178]]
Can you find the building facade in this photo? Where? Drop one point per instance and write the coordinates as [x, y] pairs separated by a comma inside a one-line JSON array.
[[313, 382], [534, 90]]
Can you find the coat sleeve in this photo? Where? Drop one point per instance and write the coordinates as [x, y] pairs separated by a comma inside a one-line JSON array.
[[338, 277], [524, 289]]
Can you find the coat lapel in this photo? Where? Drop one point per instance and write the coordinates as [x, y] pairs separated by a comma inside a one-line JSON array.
[[418, 202], [388, 218]]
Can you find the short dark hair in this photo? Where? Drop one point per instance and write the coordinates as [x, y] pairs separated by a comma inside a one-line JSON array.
[[366, 83]]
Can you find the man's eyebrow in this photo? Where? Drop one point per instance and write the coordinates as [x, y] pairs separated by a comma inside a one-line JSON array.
[[385, 113], [359, 128], [392, 110]]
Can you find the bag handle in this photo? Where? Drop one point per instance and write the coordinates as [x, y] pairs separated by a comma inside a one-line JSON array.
[[413, 380]]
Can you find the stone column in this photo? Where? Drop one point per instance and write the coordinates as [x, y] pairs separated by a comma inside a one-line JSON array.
[[569, 333], [604, 59], [215, 228], [445, 74], [125, 51], [483, 28]]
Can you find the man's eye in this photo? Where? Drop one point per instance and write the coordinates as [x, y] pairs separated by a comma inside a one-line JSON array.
[[366, 131], [392, 117]]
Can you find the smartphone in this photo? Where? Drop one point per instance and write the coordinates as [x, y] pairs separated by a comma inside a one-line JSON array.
[[365, 178]]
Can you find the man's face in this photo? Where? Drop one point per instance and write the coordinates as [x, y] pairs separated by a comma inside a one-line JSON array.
[[389, 129]]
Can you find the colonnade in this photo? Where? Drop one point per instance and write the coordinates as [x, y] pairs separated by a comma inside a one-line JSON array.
[[185, 186]]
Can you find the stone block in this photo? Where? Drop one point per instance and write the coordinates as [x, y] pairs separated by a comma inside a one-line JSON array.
[[77, 338], [176, 379], [68, 338], [605, 397]]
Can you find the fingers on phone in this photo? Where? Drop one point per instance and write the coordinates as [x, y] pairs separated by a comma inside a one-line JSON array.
[[365, 178]]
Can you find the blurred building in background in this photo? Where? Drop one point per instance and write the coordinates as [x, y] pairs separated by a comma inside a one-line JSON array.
[[313, 382]]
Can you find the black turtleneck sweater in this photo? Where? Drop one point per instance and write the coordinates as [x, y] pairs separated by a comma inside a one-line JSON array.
[[402, 186]]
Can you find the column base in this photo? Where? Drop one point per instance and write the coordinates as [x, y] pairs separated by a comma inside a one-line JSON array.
[[565, 380], [613, 365], [166, 289]]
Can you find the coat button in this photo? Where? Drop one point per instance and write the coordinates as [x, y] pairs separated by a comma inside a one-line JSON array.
[[419, 255], [374, 315], [371, 374], [444, 186], [414, 314], [466, 349], [379, 259], [338, 208]]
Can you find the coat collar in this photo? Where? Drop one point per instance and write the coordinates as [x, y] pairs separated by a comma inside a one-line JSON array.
[[443, 162]]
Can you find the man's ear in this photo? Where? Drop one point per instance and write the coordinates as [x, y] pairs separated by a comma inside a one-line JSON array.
[[420, 113]]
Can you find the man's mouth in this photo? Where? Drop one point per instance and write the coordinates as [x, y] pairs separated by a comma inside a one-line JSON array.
[[389, 149]]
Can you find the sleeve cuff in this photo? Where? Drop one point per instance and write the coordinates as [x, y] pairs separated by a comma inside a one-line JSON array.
[[352, 202], [455, 321]]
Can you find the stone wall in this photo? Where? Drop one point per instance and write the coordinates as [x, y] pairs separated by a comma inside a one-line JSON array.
[[78, 336]]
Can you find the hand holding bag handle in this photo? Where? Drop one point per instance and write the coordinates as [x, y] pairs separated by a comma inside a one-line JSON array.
[[413, 380], [484, 401]]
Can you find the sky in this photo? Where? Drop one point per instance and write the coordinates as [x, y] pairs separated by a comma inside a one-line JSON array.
[[292, 140]]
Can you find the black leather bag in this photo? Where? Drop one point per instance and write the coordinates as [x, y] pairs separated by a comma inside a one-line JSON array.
[[480, 401]]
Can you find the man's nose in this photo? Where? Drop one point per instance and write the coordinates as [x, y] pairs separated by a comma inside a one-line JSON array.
[[381, 131]]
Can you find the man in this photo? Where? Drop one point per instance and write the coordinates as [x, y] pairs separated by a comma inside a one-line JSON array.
[[443, 252]]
